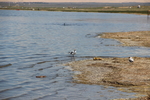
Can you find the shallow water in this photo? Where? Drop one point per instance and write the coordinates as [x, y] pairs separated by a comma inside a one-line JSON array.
[[34, 43]]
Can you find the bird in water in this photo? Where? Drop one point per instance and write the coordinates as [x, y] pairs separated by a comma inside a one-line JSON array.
[[131, 59], [72, 52]]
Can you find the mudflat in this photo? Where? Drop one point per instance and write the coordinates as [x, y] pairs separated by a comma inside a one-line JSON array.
[[136, 38], [117, 72], [114, 72]]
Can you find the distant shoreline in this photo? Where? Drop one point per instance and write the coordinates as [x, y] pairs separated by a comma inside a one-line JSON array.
[[142, 12], [129, 8]]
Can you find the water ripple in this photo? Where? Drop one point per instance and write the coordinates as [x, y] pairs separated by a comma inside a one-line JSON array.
[[1, 66], [36, 43]]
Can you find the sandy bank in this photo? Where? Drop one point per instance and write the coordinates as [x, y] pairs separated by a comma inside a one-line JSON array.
[[118, 71], [114, 71], [138, 38]]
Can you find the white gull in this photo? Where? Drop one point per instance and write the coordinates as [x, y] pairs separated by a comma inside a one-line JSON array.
[[131, 59]]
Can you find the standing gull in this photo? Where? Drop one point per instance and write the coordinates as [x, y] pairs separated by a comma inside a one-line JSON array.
[[131, 59], [72, 52]]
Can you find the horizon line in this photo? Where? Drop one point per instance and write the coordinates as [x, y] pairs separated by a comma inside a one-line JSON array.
[[78, 2]]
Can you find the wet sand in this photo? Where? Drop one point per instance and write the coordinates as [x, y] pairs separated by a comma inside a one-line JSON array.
[[113, 71], [118, 72], [137, 38]]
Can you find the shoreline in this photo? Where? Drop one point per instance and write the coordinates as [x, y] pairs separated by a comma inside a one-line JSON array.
[[118, 72], [124, 10], [135, 38]]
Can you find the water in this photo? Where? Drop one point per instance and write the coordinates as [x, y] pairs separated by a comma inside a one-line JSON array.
[[34, 43]]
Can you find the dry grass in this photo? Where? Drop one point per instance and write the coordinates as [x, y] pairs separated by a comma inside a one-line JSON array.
[[139, 38]]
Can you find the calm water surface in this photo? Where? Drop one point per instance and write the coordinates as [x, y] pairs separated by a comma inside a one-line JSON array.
[[36, 43]]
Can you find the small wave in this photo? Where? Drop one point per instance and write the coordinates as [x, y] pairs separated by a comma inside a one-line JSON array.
[[9, 89], [16, 97], [39, 89], [24, 83], [1, 66], [43, 62], [46, 96], [1, 81], [44, 68], [30, 66]]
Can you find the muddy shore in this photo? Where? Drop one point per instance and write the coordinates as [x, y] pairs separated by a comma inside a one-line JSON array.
[[137, 38], [118, 72], [115, 72]]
